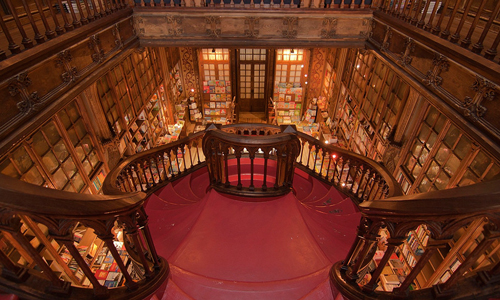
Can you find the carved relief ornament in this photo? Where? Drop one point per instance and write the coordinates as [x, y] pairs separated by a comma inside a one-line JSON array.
[[252, 27], [290, 32], [213, 23], [19, 86], [485, 90], [329, 28], [405, 57], [175, 25], [440, 63], [385, 44]]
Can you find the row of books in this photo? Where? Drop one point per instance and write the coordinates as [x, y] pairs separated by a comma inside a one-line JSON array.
[[287, 105], [219, 83], [208, 89], [220, 97], [221, 119], [217, 105], [288, 113], [215, 112], [287, 119]]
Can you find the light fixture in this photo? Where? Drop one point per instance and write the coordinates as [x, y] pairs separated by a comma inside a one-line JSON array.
[[213, 50], [192, 90], [292, 51], [305, 75]]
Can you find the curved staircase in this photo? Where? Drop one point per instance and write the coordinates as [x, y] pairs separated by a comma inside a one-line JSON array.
[[227, 247]]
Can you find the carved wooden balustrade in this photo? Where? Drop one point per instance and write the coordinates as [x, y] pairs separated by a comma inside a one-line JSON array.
[[226, 154], [463, 22], [151, 169], [39, 21], [32, 275], [340, 4], [251, 129], [443, 213], [357, 176]]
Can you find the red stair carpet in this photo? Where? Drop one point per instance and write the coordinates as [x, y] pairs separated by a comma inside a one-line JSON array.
[[219, 247]]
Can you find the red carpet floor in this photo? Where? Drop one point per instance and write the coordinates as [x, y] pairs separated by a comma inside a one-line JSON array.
[[221, 248]]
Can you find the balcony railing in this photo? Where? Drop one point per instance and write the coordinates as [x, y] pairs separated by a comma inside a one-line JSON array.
[[268, 4], [39, 256], [472, 213], [28, 23], [472, 24]]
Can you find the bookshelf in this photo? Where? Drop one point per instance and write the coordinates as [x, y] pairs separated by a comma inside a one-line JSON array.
[[217, 101], [288, 102], [194, 112]]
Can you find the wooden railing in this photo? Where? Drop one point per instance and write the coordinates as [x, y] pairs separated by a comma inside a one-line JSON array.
[[357, 176], [473, 212], [222, 149], [42, 20], [154, 168], [39, 252], [473, 24], [321, 4]]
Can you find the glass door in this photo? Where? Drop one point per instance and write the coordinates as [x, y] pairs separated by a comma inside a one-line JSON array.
[[252, 78]]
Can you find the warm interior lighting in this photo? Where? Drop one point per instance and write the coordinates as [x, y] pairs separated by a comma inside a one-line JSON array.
[[334, 156]]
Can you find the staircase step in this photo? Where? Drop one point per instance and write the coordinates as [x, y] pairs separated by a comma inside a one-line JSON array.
[[182, 187], [318, 191], [302, 184], [321, 292], [200, 182], [202, 287], [346, 206], [333, 196], [156, 203], [170, 194], [173, 292]]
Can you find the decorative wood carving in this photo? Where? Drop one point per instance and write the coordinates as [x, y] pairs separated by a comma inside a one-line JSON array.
[[330, 28], [63, 59], [369, 24], [405, 58], [116, 34], [291, 23], [95, 44], [175, 25], [189, 74], [485, 90], [252, 24], [29, 101], [440, 63], [386, 43], [213, 24]]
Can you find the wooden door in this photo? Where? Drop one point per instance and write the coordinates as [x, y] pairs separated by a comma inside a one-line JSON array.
[[252, 79]]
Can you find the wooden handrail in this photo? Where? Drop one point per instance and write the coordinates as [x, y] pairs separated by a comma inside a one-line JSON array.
[[355, 175]]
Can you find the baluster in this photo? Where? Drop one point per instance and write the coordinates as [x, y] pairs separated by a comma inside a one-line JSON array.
[[396, 8], [373, 191], [467, 41], [392, 244], [90, 16], [238, 157], [13, 47], [369, 240], [143, 224], [138, 173], [49, 33], [308, 156], [418, 9], [132, 231], [64, 14], [335, 171], [58, 30], [83, 20], [362, 180], [354, 176], [108, 240], [356, 245], [330, 158], [428, 26], [99, 290], [408, 15], [150, 167], [102, 6], [369, 179], [94, 8], [302, 150], [266, 157], [27, 42], [316, 151], [437, 28], [456, 36], [446, 33], [130, 179], [492, 52], [421, 23], [39, 38], [75, 23], [478, 47], [190, 155], [177, 160], [252, 157], [226, 167], [322, 162]]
